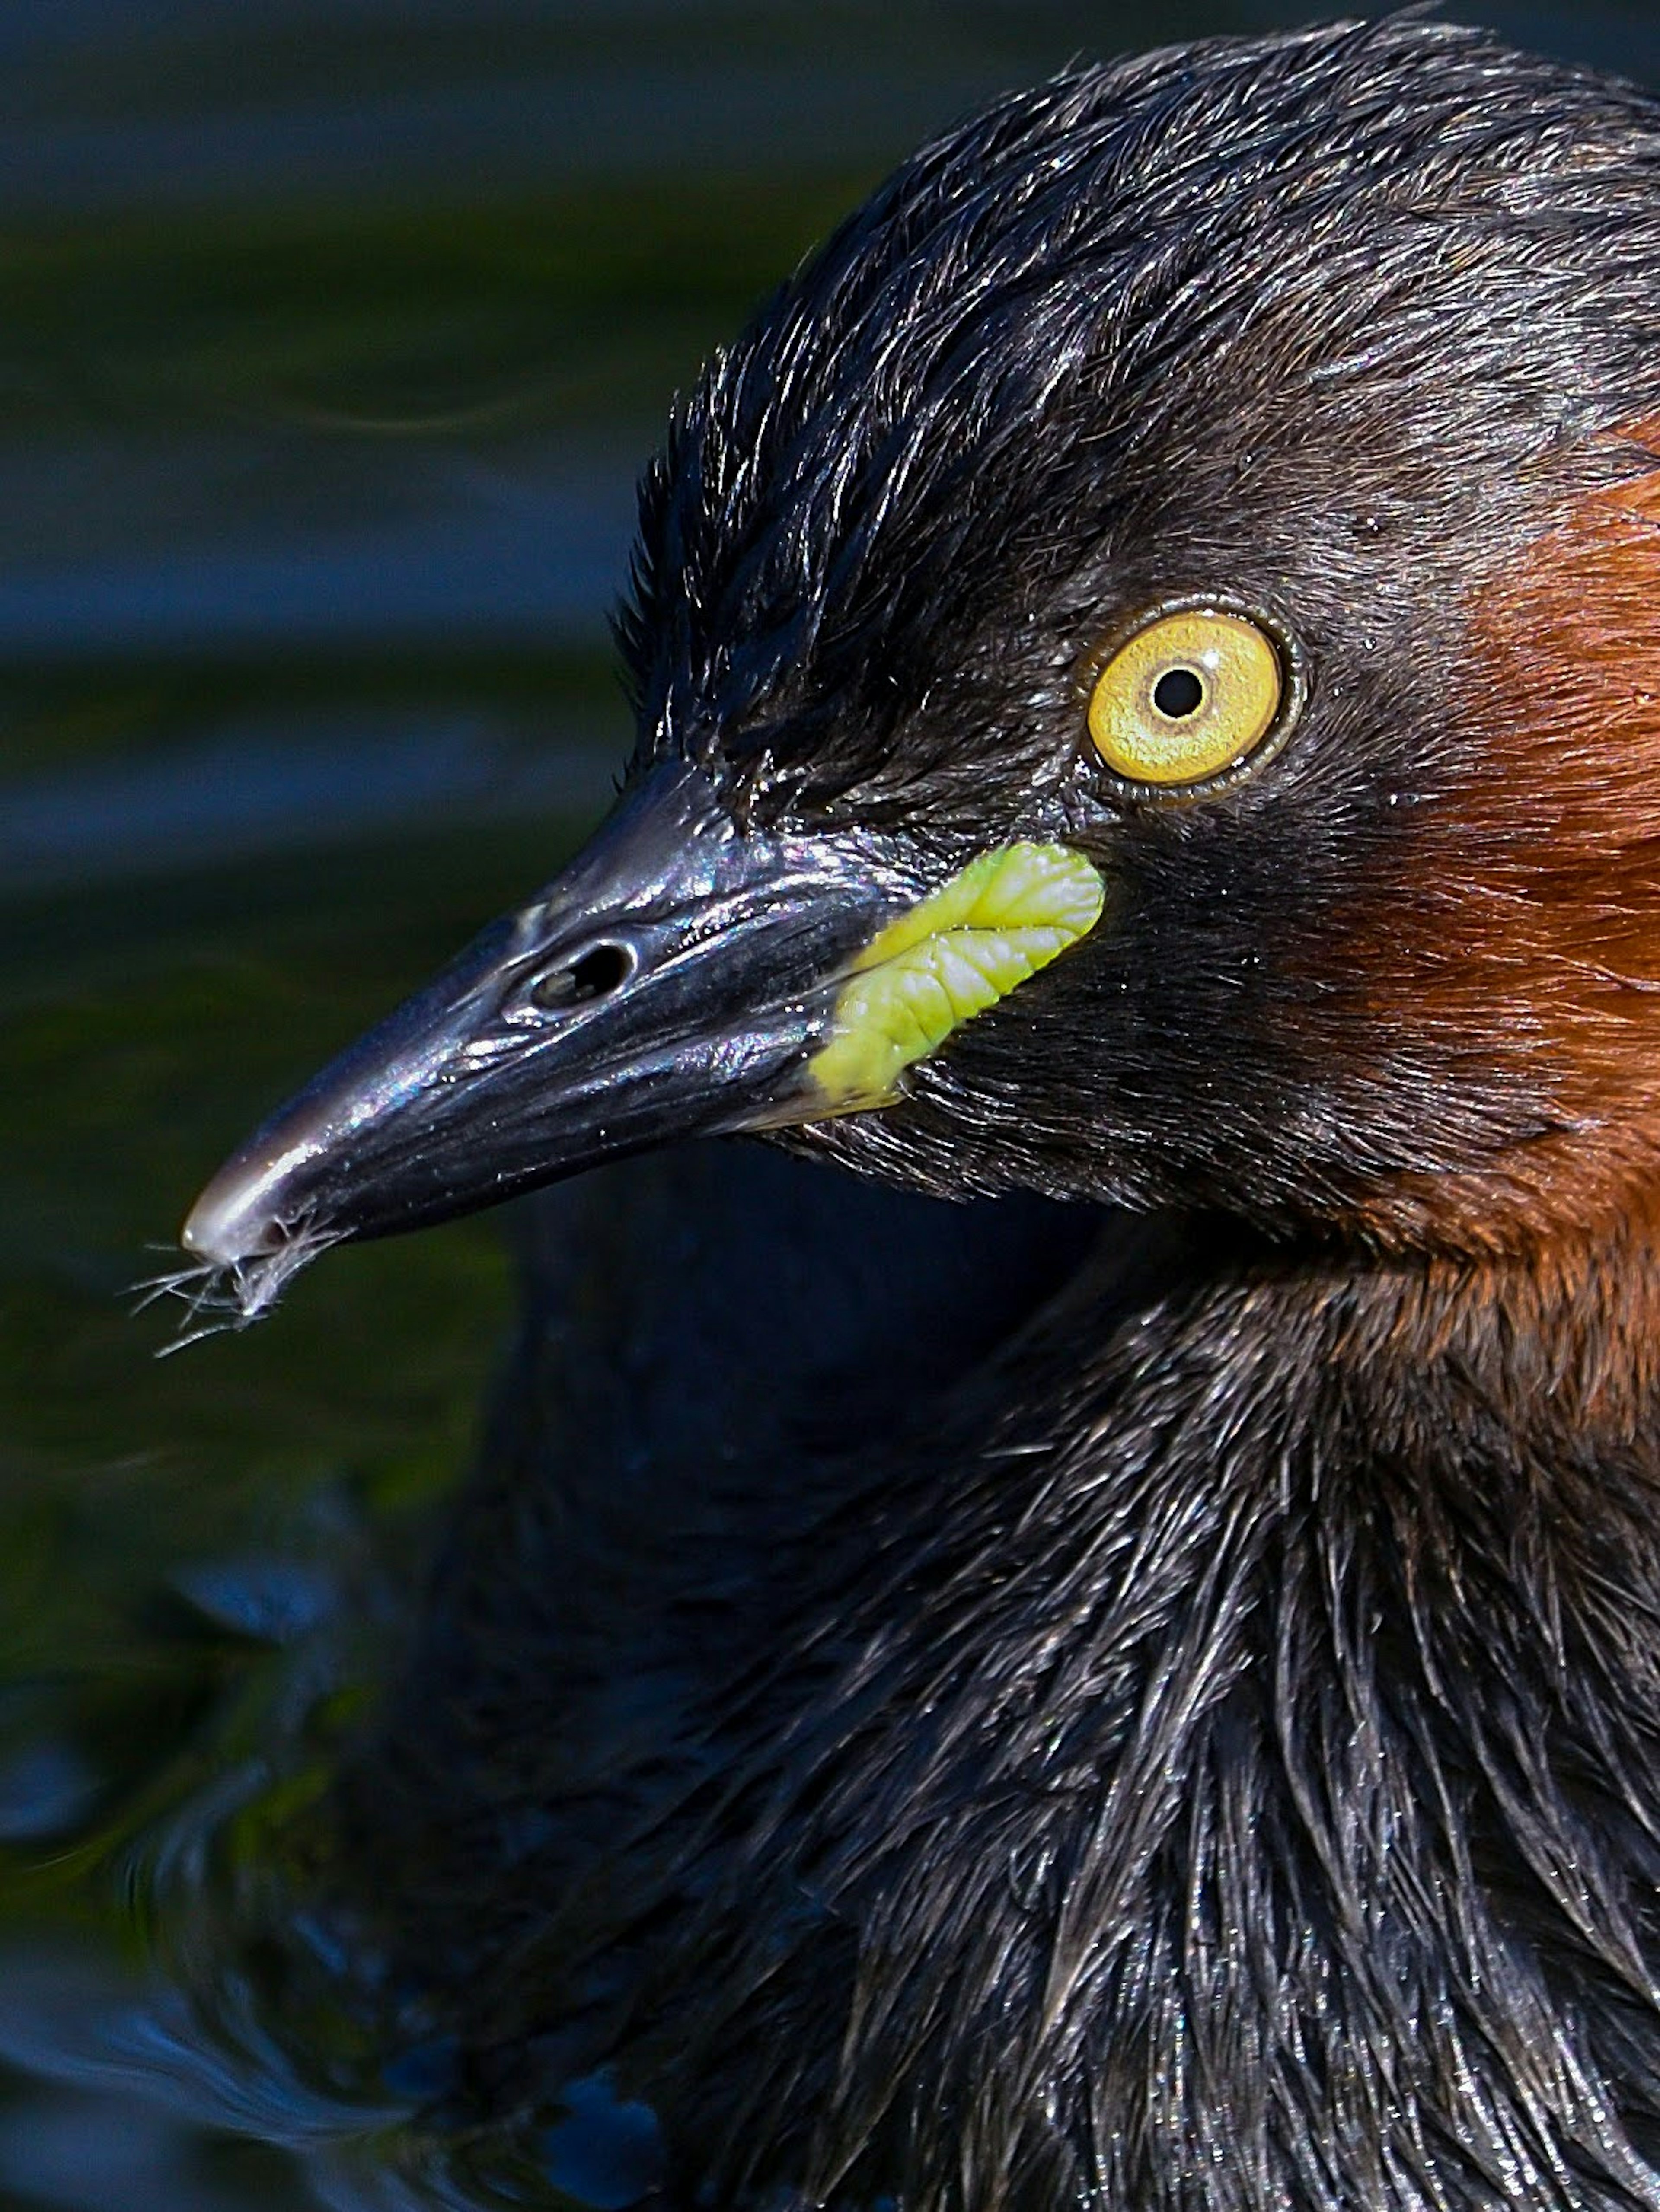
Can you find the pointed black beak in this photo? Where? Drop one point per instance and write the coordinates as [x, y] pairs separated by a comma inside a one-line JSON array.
[[673, 983]]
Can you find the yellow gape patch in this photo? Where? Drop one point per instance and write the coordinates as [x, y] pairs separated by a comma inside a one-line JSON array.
[[1007, 914]]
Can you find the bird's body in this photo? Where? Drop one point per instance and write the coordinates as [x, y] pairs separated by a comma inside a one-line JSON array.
[[1219, 1769], [1193, 1738]]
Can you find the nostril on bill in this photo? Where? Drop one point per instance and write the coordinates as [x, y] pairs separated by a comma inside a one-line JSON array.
[[600, 970]]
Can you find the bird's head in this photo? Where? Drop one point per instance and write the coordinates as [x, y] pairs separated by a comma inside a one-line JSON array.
[[1148, 656]]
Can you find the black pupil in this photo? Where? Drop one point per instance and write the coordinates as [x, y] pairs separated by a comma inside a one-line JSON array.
[[1178, 693]]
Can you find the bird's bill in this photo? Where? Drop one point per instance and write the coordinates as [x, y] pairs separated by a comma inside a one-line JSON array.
[[674, 981], [683, 978]]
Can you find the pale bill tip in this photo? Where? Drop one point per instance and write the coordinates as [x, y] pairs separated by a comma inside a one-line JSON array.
[[234, 1220]]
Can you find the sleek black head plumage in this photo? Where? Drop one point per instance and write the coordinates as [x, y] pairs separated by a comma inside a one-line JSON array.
[[1196, 1745], [1297, 319], [1334, 326]]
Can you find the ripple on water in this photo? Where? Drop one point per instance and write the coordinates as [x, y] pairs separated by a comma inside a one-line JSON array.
[[256, 2034]]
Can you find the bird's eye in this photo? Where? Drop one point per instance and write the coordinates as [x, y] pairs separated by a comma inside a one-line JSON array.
[[1190, 696]]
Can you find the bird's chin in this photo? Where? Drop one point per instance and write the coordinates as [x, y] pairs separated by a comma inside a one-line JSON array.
[[681, 978]]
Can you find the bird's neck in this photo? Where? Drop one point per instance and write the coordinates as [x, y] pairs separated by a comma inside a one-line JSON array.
[[1220, 1750], [1241, 1759]]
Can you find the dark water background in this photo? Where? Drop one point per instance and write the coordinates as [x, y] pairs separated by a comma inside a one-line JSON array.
[[329, 339]]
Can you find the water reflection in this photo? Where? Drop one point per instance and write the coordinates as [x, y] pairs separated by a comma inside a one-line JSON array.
[[251, 2015]]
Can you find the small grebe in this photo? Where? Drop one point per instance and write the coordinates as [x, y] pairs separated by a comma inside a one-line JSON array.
[[1148, 667]]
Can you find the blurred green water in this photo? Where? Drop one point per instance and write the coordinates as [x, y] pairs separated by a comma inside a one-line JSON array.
[[329, 340]]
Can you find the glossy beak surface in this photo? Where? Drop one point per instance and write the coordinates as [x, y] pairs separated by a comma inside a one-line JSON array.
[[673, 983]]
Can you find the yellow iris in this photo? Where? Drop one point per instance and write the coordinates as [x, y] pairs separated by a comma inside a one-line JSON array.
[[1188, 697], [1005, 916]]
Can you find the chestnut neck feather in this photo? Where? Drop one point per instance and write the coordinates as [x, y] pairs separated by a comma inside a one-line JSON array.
[[1519, 957]]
